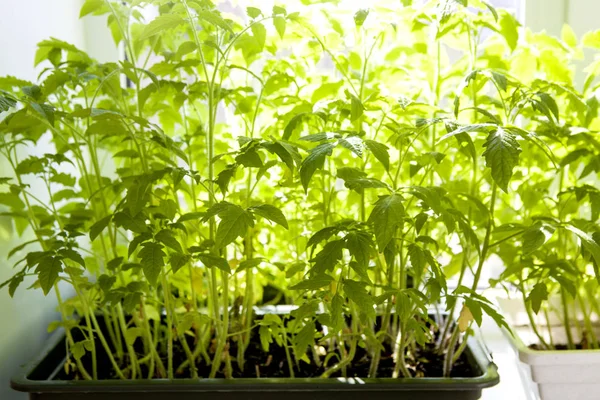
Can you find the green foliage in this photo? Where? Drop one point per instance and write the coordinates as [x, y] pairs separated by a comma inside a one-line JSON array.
[[232, 163]]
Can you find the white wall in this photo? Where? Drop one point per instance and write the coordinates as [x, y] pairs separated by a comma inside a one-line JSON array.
[[23, 23]]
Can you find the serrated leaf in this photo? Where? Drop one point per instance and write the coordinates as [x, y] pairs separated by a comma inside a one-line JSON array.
[[48, 270], [253, 12], [135, 224], [137, 241], [106, 282], [77, 350], [304, 338], [6, 103], [215, 19], [314, 283], [509, 28], [271, 213], [160, 24], [131, 334], [167, 238], [279, 23], [354, 144], [358, 294], [501, 156], [210, 260], [356, 108], [538, 294], [386, 217], [321, 235], [359, 244], [534, 237], [550, 103], [90, 6], [152, 261], [328, 257], [380, 152], [590, 245], [178, 260], [315, 160], [234, 223], [191, 216], [73, 256], [292, 125]]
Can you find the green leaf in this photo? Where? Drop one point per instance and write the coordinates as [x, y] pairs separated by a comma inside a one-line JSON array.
[[386, 217], [251, 263], [337, 313], [328, 257], [253, 12], [135, 224], [590, 245], [538, 294], [215, 19], [191, 216], [260, 34], [48, 270], [358, 294], [315, 160], [167, 238], [360, 16], [12, 200], [90, 6], [501, 155], [417, 258], [550, 103], [279, 23], [249, 158], [168, 208], [286, 153], [77, 350], [304, 338], [365, 183], [160, 24], [534, 237], [271, 213], [136, 242], [210, 260], [360, 245], [321, 235], [356, 108], [131, 334], [293, 124], [278, 10], [152, 261], [492, 9], [234, 223], [314, 283], [178, 260], [106, 282], [380, 152], [73, 256], [6, 103], [354, 144], [509, 28]]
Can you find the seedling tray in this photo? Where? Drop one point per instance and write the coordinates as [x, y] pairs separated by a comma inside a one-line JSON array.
[[38, 379]]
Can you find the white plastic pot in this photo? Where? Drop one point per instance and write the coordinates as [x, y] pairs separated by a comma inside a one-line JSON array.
[[552, 375]]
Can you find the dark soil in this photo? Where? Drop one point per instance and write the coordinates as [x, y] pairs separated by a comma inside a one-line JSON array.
[[578, 346], [425, 362]]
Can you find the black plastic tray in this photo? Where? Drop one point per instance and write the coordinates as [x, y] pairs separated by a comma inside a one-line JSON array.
[[36, 379]]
